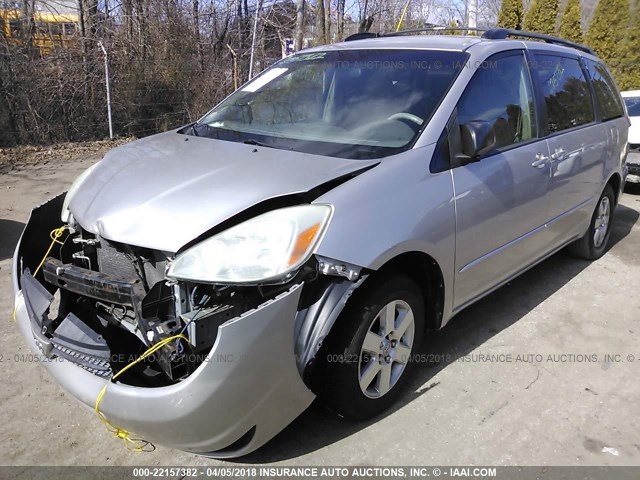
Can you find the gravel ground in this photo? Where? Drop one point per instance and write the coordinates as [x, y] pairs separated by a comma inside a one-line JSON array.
[[559, 401]]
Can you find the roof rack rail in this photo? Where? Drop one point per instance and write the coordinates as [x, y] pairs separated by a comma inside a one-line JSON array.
[[436, 28], [433, 29], [502, 33], [491, 34], [361, 36]]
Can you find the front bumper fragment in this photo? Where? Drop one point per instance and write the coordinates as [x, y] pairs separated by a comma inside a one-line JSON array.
[[248, 380], [72, 340]]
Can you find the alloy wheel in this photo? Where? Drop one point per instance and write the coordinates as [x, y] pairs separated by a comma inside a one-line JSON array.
[[601, 224], [386, 349]]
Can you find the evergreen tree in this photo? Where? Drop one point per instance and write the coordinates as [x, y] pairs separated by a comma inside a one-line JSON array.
[[570, 22], [511, 13], [541, 17], [607, 32], [628, 75]]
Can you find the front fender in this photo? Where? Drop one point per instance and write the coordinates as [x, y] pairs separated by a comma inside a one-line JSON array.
[[395, 208]]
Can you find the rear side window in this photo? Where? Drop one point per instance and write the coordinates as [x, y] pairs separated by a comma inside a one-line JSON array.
[[606, 91], [566, 92], [501, 95]]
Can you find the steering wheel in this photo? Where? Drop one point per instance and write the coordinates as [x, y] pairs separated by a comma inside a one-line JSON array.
[[406, 116]]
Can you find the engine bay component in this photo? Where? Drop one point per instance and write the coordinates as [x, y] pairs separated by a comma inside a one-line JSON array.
[[202, 324], [93, 284], [328, 266]]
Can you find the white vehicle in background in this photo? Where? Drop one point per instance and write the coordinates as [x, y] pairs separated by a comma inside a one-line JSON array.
[[632, 100]]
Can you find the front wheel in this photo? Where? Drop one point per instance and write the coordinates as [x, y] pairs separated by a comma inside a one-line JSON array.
[[368, 356], [594, 242]]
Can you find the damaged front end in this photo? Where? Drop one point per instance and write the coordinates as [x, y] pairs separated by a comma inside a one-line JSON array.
[[100, 305]]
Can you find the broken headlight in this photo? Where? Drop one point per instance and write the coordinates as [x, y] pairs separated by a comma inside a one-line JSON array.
[[267, 248]]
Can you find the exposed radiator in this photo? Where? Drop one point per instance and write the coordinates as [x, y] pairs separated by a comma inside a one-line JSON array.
[[114, 262]]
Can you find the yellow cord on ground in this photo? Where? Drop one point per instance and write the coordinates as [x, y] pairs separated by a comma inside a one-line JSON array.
[[404, 12], [55, 234], [133, 444]]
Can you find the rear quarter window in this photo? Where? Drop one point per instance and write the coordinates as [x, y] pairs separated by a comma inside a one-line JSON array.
[[566, 92], [606, 91]]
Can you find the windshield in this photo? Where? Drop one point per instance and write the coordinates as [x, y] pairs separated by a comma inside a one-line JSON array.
[[633, 106], [346, 103]]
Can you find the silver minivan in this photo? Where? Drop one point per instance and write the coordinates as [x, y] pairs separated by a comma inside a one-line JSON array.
[[200, 287]]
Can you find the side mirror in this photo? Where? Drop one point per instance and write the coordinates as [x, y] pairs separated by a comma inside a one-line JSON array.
[[477, 138]]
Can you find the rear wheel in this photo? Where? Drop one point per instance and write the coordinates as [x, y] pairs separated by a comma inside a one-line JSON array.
[[594, 242], [367, 357]]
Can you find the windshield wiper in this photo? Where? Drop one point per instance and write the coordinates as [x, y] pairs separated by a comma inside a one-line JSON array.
[[251, 141]]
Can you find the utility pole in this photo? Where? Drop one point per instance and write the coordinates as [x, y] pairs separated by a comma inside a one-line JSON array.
[[472, 13], [108, 83], [235, 66], [253, 38]]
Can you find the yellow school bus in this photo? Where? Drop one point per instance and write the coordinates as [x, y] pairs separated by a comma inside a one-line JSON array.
[[50, 30]]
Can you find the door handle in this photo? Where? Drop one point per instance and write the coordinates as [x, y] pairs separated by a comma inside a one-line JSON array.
[[540, 161], [558, 155]]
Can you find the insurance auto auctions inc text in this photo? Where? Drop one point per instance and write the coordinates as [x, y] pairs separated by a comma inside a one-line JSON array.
[[378, 472]]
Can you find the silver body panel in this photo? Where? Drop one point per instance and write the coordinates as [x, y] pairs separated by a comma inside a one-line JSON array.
[[501, 205], [482, 223], [399, 184]]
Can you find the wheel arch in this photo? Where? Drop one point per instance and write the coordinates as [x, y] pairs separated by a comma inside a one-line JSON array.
[[316, 324], [615, 180], [424, 270]]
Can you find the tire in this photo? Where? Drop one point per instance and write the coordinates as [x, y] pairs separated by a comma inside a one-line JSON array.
[[593, 243], [344, 362]]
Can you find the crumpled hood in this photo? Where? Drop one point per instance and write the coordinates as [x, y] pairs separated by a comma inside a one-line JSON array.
[[163, 191]]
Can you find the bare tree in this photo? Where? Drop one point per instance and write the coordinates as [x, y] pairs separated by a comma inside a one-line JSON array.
[[170, 60], [300, 23], [340, 20], [321, 32], [327, 21]]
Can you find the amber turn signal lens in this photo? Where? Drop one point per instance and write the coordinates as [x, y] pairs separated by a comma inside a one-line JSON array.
[[303, 242]]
